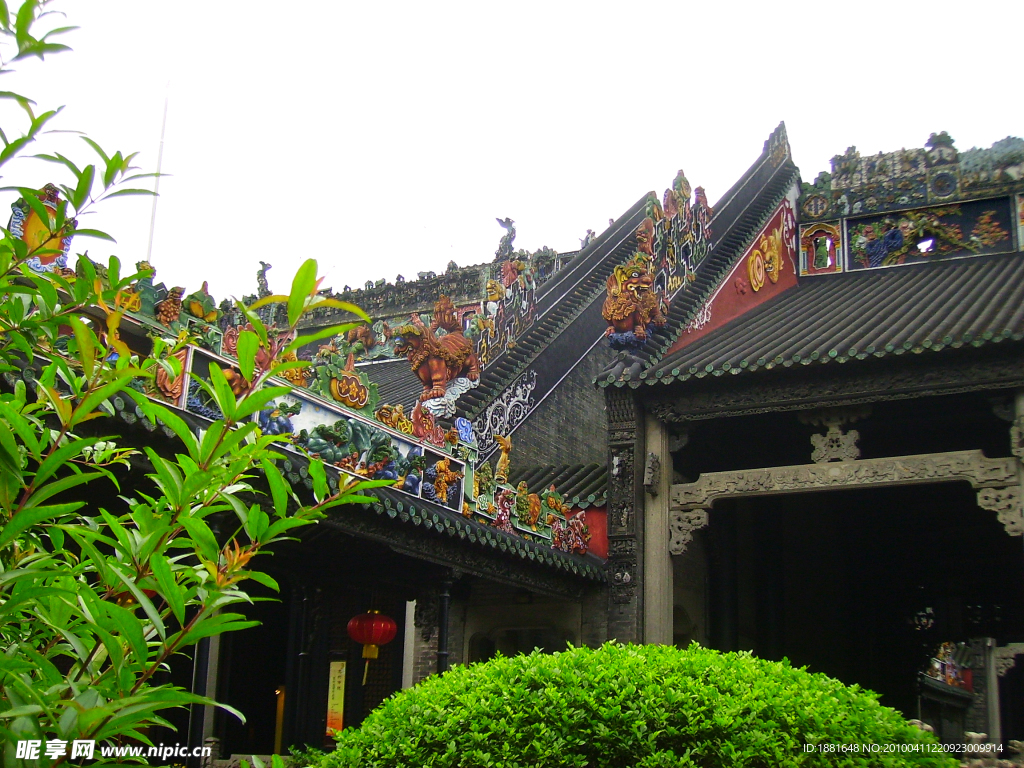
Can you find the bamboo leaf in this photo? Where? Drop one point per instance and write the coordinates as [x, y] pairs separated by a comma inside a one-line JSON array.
[[86, 345], [203, 537], [322, 301], [28, 518], [274, 298], [248, 346], [303, 286], [126, 192], [278, 487], [323, 333], [145, 602], [168, 586]]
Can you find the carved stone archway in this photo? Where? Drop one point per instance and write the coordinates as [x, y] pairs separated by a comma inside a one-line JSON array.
[[996, 480]]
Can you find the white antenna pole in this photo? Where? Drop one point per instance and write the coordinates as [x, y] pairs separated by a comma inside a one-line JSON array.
[[156, 182]]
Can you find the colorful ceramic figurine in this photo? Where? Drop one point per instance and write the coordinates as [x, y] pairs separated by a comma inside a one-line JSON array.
[[438, 359], [632, 305]]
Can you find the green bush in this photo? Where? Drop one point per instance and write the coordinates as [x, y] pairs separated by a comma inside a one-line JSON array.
[[625, 705]]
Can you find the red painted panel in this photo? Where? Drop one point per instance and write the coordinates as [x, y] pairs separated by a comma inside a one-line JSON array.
[[750, 282], [597, 523]]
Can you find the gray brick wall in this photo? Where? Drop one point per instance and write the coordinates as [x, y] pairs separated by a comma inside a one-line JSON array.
[[569, 426]]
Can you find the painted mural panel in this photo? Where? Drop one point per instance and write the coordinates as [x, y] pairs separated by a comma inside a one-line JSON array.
[[821, 249], [365, 450], [767, 269], [930, 234], [1020, 222]]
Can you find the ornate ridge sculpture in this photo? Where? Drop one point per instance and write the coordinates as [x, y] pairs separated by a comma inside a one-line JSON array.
[[444, 362], [334, 415], [504, 251], [937, 173], [632, 305]]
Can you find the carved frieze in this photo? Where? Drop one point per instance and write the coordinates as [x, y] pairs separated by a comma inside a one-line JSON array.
[[621, 408], [425, 615], [997, 479], [652, 473], [1017, 437], [622, 495]]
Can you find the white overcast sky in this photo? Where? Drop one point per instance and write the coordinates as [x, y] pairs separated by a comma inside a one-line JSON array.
[[386, 137]]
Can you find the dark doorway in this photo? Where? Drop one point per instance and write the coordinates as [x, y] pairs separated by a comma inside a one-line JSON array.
[[863, 585], [252, 674]]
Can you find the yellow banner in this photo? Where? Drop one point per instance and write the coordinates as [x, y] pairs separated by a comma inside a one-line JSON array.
[[336, 698]]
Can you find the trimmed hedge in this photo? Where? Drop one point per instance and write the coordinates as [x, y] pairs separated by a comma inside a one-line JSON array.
[[627, 705]]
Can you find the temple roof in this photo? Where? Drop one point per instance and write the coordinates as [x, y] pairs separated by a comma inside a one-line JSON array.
[[738, 217], [839, 318], [420, 512], [560, 302]]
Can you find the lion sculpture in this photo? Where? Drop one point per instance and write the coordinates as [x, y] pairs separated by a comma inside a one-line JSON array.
[[437, 359], [632, 305]]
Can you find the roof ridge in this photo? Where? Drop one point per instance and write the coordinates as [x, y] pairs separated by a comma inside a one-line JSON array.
[[681, 316]]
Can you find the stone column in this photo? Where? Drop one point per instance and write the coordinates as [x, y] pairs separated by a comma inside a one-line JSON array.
[[625, 502], [657, 579], [1017, 441], [995, 730]]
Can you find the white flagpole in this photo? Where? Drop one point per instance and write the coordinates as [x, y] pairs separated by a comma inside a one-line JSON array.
[[156, 182]]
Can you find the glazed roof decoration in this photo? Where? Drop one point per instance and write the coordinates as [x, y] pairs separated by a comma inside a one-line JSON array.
[[440, 356], [900, 234], [335, 413], [27, 224], [633, 306], [937, 173], [739, 217]]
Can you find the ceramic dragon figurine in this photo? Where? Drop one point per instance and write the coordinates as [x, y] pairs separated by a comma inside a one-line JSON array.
[[632, 305], [438, 359]]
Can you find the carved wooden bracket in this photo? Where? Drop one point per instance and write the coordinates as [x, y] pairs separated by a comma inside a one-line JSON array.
[[996, 479], [1006, 657], [681, 525], [652, 473], [1017, 438], [1006, 503]]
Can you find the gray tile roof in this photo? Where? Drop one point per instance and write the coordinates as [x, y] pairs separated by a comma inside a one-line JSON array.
[[924, 308], [410, 510], [581, 485], [396, 383]]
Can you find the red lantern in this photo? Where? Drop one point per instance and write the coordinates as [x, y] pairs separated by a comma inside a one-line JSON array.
[[371, 630]]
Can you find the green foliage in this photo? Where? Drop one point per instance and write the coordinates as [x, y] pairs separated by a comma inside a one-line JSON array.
[[625, 705], [98, 591]]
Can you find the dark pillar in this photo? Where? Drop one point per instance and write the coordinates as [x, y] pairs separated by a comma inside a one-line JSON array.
[[299, 727], [443, 604]]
